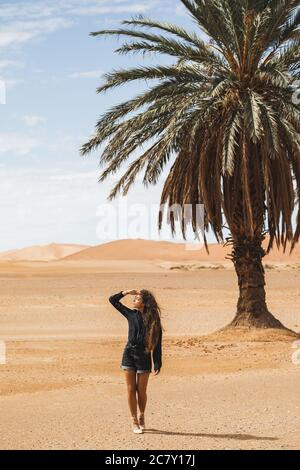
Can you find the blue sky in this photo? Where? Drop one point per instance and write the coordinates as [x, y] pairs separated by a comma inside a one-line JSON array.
[[52, 67]]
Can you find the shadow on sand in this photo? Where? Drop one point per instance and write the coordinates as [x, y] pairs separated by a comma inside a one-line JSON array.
[[241, 437]]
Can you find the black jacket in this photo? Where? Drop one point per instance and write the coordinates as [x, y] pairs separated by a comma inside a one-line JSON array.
[[136, 330]]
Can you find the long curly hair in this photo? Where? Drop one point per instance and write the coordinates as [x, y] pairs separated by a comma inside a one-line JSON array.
[[152, 319]]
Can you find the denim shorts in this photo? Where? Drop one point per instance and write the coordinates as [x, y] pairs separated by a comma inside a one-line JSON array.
[[135, 358]]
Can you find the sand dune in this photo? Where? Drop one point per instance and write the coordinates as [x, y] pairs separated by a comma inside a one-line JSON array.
[[51, 252], [136, 249], [139, 249]]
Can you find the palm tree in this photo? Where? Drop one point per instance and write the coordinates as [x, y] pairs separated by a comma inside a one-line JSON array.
[[224, 114]]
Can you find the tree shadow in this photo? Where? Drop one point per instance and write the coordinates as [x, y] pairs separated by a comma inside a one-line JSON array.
[[241, 437]]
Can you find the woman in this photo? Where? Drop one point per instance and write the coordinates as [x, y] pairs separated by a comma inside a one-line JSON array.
[[144, 337]]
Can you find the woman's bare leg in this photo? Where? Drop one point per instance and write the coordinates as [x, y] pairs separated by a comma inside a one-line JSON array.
[[142, 382], [132, 401], [130, 377]]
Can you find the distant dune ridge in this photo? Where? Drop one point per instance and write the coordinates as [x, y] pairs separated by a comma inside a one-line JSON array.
[[139, 249], [51, 252], [136, 249]]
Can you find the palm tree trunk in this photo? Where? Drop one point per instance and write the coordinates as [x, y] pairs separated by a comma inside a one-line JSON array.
[[252, 309]]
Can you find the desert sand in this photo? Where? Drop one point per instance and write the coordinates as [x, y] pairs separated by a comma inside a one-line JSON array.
[[51, 252], [62, 387]]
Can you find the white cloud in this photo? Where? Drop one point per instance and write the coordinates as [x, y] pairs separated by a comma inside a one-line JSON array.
[[8, 38], [110, 9], [75, 176], [37, 210], [12, 82], [42, 26], [24, 21], [46, 9], [32, 121], [17, 144], [4, 64], [31, 9], [20, 32], [90, 74]]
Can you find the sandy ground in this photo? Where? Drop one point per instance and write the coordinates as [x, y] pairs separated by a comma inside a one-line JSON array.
[[62, 388]]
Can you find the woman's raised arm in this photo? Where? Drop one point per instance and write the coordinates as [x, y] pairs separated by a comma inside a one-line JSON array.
[[115, 301]]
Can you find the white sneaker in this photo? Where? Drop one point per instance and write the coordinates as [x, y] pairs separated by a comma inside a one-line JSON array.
[[135, 426]]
